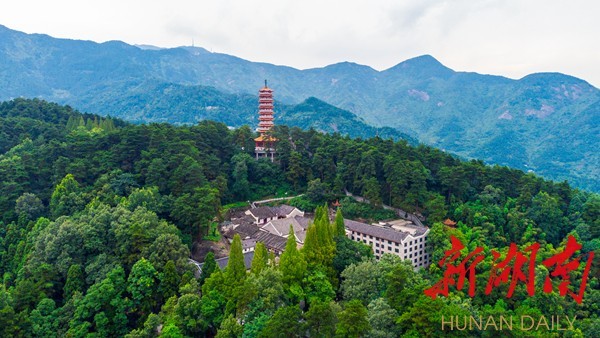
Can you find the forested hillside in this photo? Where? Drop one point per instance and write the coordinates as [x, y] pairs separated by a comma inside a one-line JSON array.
[[97, 218], [547, 122]]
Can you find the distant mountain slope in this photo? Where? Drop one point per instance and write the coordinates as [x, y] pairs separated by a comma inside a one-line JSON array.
[[548, 123], [154, 101]]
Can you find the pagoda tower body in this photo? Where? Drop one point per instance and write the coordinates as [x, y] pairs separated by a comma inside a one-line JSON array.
[[264, 144]]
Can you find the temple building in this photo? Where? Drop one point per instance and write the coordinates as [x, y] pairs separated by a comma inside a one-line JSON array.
[[264, 144]]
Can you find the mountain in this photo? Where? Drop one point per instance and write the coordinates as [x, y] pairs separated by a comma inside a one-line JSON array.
[[547, 123]]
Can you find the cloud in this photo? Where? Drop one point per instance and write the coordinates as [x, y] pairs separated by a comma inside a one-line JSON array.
[[504, 37]]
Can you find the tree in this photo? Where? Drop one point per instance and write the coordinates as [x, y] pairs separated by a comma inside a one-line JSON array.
[[260, 259], [188, 315], [382, 319], [142, 285], [338, 224], [436, 208], [286, 322], [209, 266], [321, 318], [75, 281], [235, 272], [316, 191], [363, 281], [353, 321], [67, 198], [241, 185], [194, 211], [349, 252], [545, 212], [291, 263], [372, 192], [29, 205], [169, 281], [230, 328]]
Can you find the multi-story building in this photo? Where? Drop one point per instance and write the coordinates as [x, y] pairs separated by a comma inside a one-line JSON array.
[[401, 238]]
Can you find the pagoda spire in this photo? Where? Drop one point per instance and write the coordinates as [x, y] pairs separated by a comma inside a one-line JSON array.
[[265, 109], [264, 144]]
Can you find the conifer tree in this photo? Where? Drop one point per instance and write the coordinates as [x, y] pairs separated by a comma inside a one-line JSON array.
[[75, 281], [310, 250], [235, 273], [209, 266], [338, 225], [292, 263], [260, 259]]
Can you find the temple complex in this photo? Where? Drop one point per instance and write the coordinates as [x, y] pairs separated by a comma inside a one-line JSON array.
[[264, 144]]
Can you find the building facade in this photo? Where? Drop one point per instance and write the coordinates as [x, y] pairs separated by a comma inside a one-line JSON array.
[[400, 238]]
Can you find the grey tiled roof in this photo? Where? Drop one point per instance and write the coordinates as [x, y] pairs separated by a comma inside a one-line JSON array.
[[377, 231], [246, 230], [263, 212], [222, 262], [271, 241], [283, 210]]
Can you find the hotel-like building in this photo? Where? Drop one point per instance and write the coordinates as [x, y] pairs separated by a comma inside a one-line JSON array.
[[400, 237]]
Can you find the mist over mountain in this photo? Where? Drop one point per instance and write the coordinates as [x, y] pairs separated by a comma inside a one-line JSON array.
[[547, 122]]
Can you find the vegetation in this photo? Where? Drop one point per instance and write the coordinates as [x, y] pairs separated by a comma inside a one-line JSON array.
[[97, 223]]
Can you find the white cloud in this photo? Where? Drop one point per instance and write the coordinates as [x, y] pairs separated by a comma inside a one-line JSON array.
[[505, 37]]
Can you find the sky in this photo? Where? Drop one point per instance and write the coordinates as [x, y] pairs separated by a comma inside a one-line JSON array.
[[511, 38]]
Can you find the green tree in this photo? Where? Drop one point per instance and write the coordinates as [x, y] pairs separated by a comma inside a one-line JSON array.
[[338, 224], [209, 266], [67, 198], [321, 318], [168, 281], [29, 205], [382, 319], [260, 259], [230, 328], [291, 263], [353, 321], [286, 322], [75, 281], [363, 281]]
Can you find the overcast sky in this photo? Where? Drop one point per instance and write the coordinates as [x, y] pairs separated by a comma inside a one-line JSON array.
[[512, 38]]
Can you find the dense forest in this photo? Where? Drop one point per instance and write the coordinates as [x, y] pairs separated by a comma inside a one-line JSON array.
[[98, 217]]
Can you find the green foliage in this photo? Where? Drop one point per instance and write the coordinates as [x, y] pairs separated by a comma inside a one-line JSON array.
[[67, 198], [75, 281], [142, 284], [209, 266], [113, 252], [261, 258], [292, 264], [353, 321], [286, 322]]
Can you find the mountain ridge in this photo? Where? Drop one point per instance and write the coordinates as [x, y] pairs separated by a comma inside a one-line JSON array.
[[545, 122]]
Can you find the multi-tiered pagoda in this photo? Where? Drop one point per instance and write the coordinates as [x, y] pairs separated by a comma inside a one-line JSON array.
[[264, 144]]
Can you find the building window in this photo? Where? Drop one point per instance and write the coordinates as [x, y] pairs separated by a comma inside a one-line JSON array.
[[404, 250], [410, 256], [377, 245], [421, 246], [396, 250], [377, 251], [390, 248]]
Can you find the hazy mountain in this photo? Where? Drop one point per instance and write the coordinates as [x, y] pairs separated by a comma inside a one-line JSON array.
[[548, 123]]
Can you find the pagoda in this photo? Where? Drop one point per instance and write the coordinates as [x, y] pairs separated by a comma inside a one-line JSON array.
[[264, 143]]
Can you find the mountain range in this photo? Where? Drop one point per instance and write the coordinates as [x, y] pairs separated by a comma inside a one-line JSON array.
[[547, 123]]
